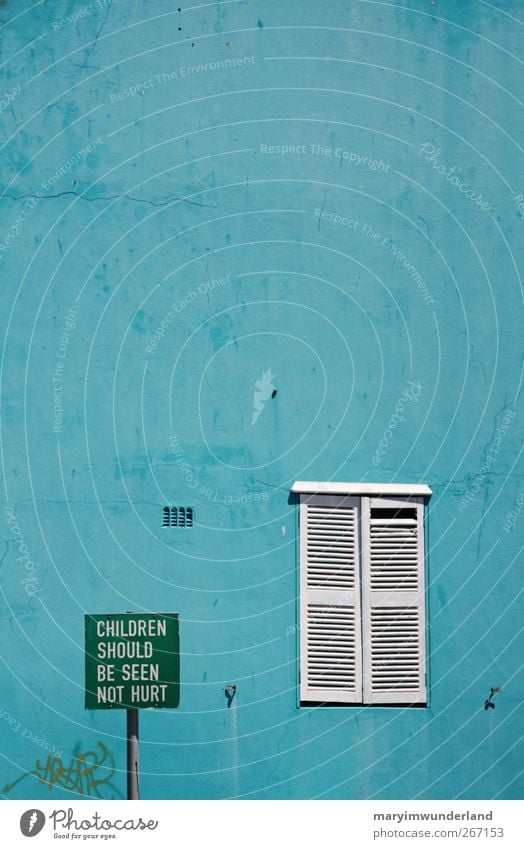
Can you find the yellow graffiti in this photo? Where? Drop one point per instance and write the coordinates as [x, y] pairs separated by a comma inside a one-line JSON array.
[[88, 774]]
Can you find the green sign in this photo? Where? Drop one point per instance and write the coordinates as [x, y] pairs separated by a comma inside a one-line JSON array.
[[132, 660]]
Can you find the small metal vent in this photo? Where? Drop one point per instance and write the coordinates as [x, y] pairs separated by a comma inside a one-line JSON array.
[[177, 517]]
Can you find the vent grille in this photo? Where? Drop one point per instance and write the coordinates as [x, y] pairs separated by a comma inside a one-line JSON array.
[[331, 547], [394, 550], [177, 517], [395, 653], [330, 647]]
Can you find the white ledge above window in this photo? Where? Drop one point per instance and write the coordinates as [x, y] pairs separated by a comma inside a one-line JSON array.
[[339, 488]]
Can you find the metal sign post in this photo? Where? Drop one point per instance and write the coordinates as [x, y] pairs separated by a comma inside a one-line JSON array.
[[132, 754], [132, 661]]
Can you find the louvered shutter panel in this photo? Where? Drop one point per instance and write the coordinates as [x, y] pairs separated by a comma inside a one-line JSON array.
[[393, 608], [330, 638]]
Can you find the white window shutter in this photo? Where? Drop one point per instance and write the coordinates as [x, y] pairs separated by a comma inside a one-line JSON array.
[[330, 638], [393, 609]]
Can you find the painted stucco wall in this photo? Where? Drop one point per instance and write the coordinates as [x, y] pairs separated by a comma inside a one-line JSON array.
[[191, 199]]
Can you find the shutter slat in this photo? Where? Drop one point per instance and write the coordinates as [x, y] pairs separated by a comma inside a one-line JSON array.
[[330, 547], [331, 654], [393, 553]]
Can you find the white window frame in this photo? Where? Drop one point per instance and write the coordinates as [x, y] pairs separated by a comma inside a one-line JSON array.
[[364, 497]]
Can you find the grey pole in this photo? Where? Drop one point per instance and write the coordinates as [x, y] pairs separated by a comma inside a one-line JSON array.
[[132, 753]]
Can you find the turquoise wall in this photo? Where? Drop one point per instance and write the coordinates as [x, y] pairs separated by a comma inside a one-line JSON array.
[[193, 198]]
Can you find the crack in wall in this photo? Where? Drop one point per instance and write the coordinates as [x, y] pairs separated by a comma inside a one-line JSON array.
[[125, 196]]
